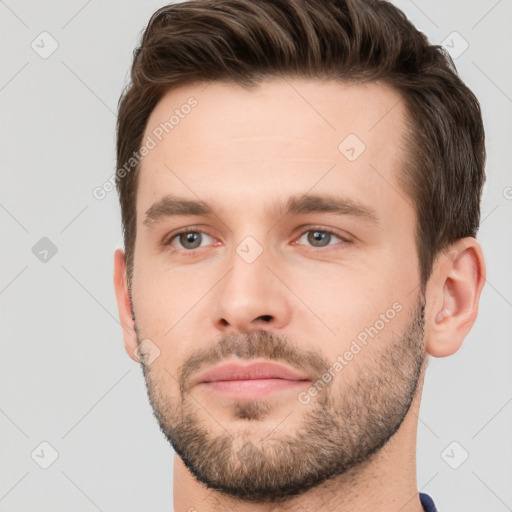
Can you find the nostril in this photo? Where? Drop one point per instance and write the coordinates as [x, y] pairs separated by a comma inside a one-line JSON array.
[[266, 318]]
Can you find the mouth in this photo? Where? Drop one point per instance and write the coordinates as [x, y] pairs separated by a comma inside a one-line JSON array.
[[251, 380]]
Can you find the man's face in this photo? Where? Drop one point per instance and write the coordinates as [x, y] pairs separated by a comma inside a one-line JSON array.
[[329, 293]]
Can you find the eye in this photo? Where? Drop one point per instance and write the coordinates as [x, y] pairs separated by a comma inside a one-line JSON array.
[[319, 238], [188, 239]]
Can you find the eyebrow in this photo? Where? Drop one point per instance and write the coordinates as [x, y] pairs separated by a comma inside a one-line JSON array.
[[171, 206]]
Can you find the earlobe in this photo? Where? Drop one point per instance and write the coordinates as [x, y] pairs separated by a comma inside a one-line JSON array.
[[123, 304], [453, 294]]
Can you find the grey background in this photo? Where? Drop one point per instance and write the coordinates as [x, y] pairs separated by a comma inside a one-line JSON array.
[[65, 378]]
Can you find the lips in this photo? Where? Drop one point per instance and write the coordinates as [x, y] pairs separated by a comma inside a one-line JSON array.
[[252, 371]]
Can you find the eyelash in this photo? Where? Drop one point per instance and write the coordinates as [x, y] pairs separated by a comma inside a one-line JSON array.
[[191, 252]]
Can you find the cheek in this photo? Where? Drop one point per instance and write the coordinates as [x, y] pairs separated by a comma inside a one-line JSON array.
[[350, 308], [345, 296], [167, 303], [158, 302]]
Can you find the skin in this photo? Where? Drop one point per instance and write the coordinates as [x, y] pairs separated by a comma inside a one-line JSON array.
[[240, 151]]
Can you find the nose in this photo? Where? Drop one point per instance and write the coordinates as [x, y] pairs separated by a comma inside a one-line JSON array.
[[251, 297]]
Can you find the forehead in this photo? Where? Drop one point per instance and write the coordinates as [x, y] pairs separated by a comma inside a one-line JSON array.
[[282, 108], [282, 135]]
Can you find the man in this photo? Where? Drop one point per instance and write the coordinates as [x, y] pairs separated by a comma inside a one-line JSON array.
[[300, 185]]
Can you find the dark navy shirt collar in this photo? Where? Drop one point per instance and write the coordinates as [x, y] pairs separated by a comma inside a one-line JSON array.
[[427, 503]]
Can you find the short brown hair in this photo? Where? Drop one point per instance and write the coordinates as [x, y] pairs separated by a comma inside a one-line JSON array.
[[246, 41]]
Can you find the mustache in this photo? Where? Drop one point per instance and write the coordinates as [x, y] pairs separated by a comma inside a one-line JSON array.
[[255, 344]]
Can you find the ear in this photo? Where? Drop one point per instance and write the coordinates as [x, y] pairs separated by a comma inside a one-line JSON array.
[[123, 304], [452, 295]]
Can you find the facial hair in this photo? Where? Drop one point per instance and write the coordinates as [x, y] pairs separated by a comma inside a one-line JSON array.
[[344, 426]]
